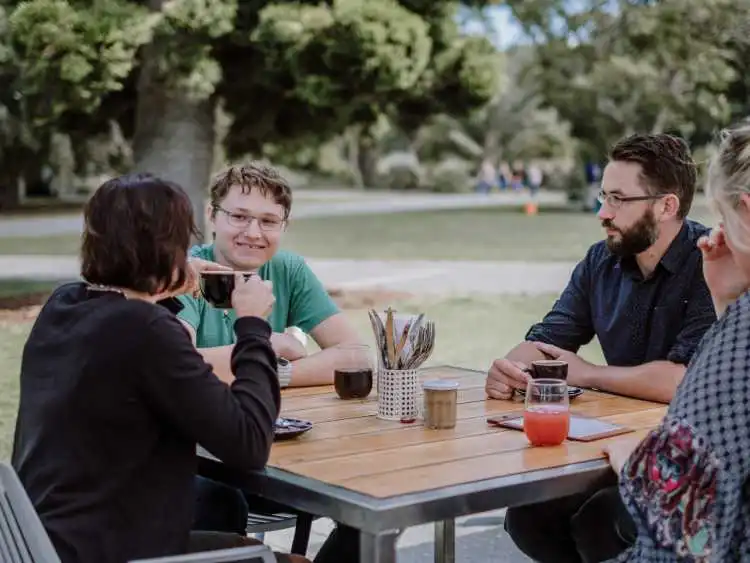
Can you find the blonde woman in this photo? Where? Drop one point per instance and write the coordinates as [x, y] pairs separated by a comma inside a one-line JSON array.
[[687, 484]]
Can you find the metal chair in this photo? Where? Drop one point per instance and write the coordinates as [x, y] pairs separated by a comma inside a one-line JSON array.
[[254, 554], [23, 539], [260, 523]]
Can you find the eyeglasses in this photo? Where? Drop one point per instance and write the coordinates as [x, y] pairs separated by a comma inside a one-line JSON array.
[[616, 201], [244, 220]]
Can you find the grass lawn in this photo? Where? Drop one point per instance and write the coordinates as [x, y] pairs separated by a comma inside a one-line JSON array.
[[473, 234], [494, 323], [57, 245], [12, 337]]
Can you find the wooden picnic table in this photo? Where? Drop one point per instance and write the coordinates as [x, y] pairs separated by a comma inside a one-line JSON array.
[[382, 476]]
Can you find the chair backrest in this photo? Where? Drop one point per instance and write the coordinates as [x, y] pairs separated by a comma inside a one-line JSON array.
[[251, 554], [23, 539]]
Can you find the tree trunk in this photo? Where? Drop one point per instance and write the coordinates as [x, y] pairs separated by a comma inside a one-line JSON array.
[[368, 161], [174, 136], [10, 190], [352, 156]]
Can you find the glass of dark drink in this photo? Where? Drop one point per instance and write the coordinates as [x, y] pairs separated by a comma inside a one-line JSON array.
[[352, 376]]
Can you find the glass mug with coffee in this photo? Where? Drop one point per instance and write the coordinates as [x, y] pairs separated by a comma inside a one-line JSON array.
[[548, 369], [352, 376], [217, 287]]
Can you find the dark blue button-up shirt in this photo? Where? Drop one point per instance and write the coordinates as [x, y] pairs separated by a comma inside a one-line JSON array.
[[636, 319]]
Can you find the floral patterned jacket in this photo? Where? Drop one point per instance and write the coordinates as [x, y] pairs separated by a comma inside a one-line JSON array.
[[686, 484]]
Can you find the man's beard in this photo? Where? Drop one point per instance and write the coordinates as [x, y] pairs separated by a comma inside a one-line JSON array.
[[636, 239]]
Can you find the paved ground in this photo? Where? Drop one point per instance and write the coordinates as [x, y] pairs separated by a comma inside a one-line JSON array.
[[421, 277], [479, 538]]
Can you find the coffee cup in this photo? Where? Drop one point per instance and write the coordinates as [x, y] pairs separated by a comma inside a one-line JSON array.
[[440, 404], [217, 287], [548, 369]]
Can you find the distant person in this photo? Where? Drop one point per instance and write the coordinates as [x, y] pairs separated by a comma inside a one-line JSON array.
[[593, 174], [487, 178], [534, 177], [505, 175], [642, 294], [518, 172]]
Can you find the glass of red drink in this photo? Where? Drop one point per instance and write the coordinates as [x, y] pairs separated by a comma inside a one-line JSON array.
[[546, 418]]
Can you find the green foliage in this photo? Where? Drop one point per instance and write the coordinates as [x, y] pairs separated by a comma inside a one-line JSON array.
[[646, 66], [315, 69], [69, 56], [213, 18], [461, 78]]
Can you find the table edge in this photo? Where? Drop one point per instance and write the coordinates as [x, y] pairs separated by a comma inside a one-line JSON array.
[[377, 514]]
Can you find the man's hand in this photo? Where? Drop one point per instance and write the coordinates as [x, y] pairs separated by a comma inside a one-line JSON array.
[[725, 279], [578, 368], [504, 376], [287, 346], [619, 451]]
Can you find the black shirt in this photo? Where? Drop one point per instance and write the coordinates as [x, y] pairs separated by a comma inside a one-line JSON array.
[[636, 319], [114, 398]]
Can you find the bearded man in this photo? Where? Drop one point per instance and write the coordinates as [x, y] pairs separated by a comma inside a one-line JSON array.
[[641, 292]]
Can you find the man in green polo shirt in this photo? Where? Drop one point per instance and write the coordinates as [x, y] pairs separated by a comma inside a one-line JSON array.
[[249, 211]]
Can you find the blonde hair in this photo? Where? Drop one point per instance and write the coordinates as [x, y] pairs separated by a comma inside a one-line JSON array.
[[728, 178]]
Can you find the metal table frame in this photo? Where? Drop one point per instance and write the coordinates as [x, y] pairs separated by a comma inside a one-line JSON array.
[[381, 520]]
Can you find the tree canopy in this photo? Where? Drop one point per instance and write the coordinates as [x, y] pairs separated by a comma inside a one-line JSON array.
[[283, 71]]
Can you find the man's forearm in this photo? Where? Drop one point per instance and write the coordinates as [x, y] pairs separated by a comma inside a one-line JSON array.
[[219, 357], [315, 369], [654, 381]]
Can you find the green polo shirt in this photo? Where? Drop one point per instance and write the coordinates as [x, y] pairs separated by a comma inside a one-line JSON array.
[[301, 300]]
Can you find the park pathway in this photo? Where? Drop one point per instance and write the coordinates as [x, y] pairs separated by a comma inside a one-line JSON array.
[[421, 277], [327, 203]]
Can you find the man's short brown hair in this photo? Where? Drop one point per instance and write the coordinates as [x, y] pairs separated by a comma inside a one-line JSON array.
[[137, 230], [256, 175], [667, 167]]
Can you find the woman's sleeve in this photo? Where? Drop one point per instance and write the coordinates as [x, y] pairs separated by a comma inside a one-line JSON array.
[[234, 422]]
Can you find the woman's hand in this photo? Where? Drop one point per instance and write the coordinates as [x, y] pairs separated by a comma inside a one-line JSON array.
[[195, 267], [725, 279], [619, 451]]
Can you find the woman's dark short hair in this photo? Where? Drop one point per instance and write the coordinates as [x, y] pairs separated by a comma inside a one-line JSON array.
[[137, 230]]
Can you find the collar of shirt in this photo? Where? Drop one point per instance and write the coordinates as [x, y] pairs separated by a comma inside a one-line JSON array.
[[672, 260]]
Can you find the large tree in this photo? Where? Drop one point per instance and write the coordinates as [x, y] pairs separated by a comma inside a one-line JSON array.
[[612, 68], [284, 71]]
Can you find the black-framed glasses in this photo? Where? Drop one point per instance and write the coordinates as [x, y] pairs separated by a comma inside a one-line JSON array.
[[244, 220], [616, 201]]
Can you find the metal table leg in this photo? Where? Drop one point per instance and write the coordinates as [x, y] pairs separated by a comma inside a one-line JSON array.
[[445, 541], [380, 548]]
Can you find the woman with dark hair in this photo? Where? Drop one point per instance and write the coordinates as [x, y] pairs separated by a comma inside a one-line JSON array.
[[114, 396]]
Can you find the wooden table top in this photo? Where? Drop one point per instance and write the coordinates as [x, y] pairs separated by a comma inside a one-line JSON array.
[[351, 448]]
